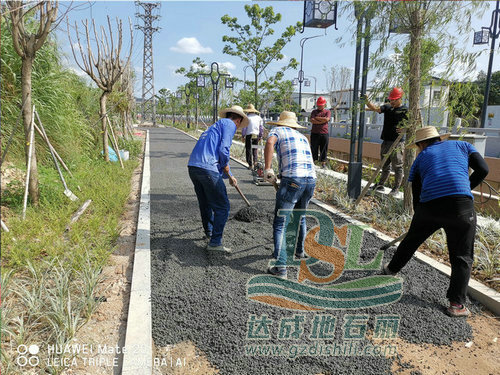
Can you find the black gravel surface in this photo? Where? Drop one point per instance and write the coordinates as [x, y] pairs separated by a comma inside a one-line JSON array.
[[202, 297]]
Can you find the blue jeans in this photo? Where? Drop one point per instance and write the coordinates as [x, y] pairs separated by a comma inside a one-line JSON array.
[[294, 192], [212, 199]]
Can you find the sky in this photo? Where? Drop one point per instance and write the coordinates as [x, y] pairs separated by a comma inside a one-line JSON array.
[[190, 29]]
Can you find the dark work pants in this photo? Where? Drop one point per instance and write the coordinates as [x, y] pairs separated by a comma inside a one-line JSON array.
[[457, 217], [319, 142], [251, 155]]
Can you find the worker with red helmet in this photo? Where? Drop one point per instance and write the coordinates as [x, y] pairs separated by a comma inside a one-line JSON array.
[[320, 117], [395, 116]]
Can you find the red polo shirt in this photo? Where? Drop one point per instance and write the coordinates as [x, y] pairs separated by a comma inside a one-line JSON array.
[[323, 128]]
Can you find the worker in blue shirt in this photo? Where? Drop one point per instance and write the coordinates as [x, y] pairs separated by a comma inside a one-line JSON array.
[[442, 198], [208, 165]]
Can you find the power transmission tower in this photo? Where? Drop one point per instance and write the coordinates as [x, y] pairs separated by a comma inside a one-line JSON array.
[[150, 14]]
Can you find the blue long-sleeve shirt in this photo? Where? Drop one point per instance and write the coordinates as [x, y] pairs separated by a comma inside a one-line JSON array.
[[211, 152]]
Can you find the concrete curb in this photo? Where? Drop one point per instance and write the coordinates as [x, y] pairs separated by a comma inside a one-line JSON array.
[[480, 292], [138, 351]]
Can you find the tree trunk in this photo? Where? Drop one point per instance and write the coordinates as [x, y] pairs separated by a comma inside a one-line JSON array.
[[415, 115], [255, 89], [104, 98], [27, 67]]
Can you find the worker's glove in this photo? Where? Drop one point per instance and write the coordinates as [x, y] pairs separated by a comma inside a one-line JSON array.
[[269, 175]]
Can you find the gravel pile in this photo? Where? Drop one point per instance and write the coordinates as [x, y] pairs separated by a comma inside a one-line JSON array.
[[202, 298], [247, 214]]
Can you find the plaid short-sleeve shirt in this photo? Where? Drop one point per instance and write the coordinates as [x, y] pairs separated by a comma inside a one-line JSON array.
[[294, 153]]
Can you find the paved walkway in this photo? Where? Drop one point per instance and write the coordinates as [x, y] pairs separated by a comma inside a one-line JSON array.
[[201, 298]]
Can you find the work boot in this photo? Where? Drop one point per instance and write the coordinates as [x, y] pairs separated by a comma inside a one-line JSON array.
[[457, 310], [219, 248], [278, 272], [387, 271]]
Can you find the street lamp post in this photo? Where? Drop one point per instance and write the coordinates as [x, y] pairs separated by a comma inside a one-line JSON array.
[[355, 168], [301, 72], [187, 92], [315, 82], [245, 76], [481, 37], [178, 95], [214, 68]]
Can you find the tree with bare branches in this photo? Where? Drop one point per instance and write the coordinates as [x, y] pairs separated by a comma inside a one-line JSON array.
[[337, 83], [107, 67], [26, 43]]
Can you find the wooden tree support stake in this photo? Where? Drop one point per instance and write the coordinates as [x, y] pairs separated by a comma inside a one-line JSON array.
[[115, 143], [30, 154], [4, 227], [374, 176], [77, 214]]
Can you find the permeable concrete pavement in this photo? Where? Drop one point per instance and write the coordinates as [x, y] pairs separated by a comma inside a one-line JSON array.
[[202, 298]]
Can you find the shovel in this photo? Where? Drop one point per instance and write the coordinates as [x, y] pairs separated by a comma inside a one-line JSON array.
[[242, 195], [388, 245]]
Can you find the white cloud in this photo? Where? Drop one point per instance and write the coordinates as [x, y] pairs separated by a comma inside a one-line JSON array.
[[190, 45], [78, 71], [228, 65], [197, 67]]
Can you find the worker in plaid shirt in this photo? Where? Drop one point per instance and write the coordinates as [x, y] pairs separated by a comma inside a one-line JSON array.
[[298, 180]]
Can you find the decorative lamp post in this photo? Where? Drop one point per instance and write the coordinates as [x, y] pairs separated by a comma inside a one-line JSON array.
[[197, 97], [214, 68], [178, 95], [355, 168], [200, 82], [482, 37], [320, 14], [229, 84], [187, 92]]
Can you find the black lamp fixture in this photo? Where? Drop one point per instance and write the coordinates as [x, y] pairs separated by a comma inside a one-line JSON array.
[[320, 14]]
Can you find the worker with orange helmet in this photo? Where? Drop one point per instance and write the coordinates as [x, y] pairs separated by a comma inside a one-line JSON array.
[[395, 116], [320, 117]]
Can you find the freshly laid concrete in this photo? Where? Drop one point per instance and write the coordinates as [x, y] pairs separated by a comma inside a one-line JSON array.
[[201, 297]]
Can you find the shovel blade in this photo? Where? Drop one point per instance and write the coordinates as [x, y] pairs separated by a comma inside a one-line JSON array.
[[70, 195]]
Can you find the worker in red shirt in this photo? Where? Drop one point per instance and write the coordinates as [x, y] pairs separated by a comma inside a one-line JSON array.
[[320, 118]]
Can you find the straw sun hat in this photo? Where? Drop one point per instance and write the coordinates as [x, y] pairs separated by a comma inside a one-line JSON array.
[[287, 119], [238, 110], [251, 109], [428, 132]]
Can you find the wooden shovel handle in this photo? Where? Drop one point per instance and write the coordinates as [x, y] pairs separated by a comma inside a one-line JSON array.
[[243, 196]]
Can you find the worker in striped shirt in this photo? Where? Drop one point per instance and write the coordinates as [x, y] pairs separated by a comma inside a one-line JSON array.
[[298, 180], [442, 198]]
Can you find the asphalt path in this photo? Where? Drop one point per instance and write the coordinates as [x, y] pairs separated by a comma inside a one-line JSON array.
[[202, 297]]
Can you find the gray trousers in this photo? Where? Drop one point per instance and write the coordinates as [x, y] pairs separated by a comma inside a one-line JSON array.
[[396, 160]]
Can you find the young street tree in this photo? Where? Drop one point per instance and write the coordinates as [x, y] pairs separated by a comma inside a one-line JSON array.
[[425, 19], [248, 43], [106, 69], [26, 43]]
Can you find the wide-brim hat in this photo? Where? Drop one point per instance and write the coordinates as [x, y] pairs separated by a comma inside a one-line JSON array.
[[251, 109], [428, 132], [287, 119], [238, 110]]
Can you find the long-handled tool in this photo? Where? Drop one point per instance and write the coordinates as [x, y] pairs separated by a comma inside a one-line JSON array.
[[242, 195], [389, 244]]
